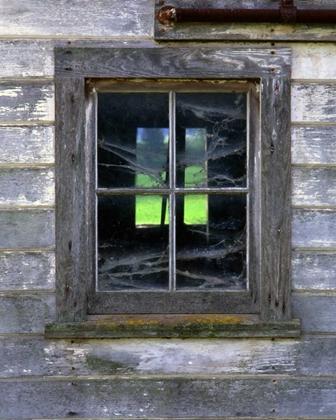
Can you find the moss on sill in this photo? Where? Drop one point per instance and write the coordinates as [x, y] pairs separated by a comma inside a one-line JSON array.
[[174, 326]]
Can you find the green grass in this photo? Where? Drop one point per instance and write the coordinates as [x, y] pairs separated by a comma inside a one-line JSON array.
[[149, 207]]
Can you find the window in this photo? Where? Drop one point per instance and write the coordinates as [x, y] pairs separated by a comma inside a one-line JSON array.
[[173, 190]]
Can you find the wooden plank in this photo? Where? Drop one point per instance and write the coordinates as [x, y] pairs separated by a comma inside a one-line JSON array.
[[27, 229], [313, 61], [31, 58], [200, 62], [276, 201], [314, 270], [174, 326], [174, 397], [27, 144], [317, 312], [314, 145], [244, 31], [27, 187], [101, 18], [27, 271], [71, 217], [29, 101], [314, 186], [314, 102], [23, 313], [23, 356], [314, 229]]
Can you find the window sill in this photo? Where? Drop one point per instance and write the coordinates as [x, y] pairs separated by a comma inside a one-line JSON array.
[[174, 326]]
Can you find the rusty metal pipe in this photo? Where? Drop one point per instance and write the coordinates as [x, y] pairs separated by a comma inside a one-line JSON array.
[[286, 13]]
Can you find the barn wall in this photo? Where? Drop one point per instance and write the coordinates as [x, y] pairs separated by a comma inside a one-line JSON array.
[[42, 378]]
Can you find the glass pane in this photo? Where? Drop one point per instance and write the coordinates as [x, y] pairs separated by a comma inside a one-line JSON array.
[[130, 256], [132, 140], [212, 255], [211, 140]]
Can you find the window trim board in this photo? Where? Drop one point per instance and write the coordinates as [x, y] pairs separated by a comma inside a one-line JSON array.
[[74, 156]]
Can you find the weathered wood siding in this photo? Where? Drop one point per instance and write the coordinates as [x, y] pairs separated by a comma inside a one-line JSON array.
[[236, 378]]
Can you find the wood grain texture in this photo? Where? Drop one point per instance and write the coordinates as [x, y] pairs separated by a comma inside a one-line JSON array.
[[25, 313], [102, 18], [275, 196], [27, 271], [27, 144], [314, 229], [314, 102], [27, 187], [29, 357], [317, 312], [27, 229], [314, 145], [71, 223], [314, 270], [171, 397], [30, 101], [314, 186], [200, 62]]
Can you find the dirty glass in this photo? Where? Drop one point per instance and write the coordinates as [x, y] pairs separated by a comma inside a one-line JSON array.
[[205, 233]]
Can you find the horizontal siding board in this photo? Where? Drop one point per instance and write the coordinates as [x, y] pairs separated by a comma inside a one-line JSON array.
[[27, 229], [27, 271], [24, 313], [35, 57], [173, 397], [23, 356], [27, 144], [313, 60], [314, 270], [28, 101], [27, 187], [103, 18], [317, 312], [314, 145], [314, 102], [314, 229], [314, 186]]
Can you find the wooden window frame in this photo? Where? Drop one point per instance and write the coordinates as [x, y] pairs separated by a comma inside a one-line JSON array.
[[263, 311]]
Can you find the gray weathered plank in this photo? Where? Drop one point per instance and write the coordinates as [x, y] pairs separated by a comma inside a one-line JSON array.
[[27, 187], [71, 215], [314, 270], [26, 101], [27, 271], [317, 312], [27, 144], [172, 397], [314, 102], [103, 18], [23, 356], [27, 229], [25, 313], [314, 186], [314, 229], [183, 62], [314, 145], [275, 197], [35, 57]]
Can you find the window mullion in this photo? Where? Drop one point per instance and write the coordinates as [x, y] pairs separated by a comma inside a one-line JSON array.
[[172, 187]]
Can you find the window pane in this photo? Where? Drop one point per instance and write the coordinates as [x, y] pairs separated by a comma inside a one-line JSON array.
[[211, 139], [130, 256], [213, 255], [132, 140]]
